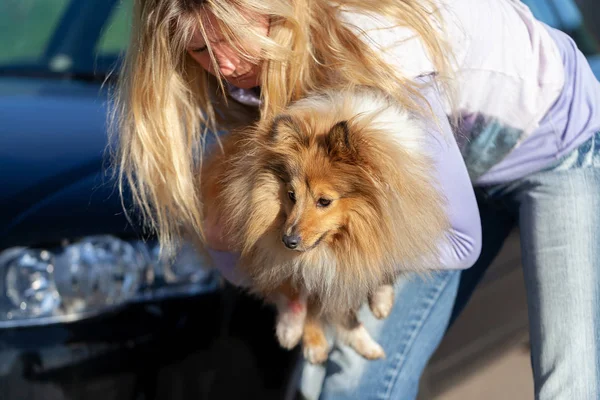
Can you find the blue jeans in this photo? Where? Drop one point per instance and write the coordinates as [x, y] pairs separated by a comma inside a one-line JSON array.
[[558, 215]]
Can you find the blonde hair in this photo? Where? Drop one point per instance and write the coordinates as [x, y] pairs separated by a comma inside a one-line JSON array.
[[166, 104]]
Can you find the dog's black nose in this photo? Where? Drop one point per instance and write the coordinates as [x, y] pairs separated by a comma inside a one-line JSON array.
[[291, 241]]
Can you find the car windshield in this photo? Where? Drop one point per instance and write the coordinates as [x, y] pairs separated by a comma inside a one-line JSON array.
[[63, 37]]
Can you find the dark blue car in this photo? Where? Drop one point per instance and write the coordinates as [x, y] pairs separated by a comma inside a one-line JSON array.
[[87, 308]]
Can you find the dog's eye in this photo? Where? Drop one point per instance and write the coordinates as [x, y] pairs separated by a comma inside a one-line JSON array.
[[292, 196], [323, 202]]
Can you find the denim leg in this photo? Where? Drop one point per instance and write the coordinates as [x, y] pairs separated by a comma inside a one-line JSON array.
[[560, 240], [409, 337]]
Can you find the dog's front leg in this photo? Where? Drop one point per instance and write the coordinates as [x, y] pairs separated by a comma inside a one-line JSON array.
[[314, 342], [291, 315]]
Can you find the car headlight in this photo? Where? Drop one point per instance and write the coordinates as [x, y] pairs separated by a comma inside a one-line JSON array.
[[92, 276]]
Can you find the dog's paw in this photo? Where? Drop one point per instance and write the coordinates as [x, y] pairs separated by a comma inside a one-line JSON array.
[[371, 351], [363, 344], [382, 301], [316, 353], [289, 332]]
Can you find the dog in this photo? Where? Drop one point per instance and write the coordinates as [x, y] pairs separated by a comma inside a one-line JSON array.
[[327, 204]]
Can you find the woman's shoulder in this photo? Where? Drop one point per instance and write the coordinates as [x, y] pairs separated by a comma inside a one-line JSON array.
[[471, 29], [400, 45]]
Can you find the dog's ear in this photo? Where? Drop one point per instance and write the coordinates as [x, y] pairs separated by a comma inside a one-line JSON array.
[[284, 128], [340, 141], [279, 122]]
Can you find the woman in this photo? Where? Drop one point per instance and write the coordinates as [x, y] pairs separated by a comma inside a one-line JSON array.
[[515, 97]]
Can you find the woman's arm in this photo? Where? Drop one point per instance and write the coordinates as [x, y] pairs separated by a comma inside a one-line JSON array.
[[464, 244]]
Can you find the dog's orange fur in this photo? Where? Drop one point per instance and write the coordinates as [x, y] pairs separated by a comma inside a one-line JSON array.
[[363, 205]]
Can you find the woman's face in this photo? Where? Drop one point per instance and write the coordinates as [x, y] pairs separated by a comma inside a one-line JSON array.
[[233, 68]]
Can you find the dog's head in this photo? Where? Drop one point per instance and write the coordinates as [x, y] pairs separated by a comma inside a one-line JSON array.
[[324, 175]]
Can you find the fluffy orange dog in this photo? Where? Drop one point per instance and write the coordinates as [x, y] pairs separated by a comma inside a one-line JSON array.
[[326, 207]]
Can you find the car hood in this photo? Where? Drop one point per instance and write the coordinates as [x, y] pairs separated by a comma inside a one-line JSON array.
[[52, 134]]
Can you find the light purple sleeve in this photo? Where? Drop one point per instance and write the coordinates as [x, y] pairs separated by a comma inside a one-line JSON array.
[[464, 245]]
